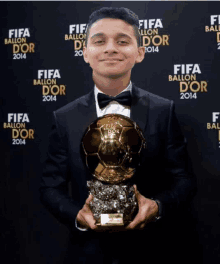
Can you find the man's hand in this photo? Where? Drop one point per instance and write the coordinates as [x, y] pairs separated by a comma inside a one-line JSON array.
[[147, 211], [85, 217]]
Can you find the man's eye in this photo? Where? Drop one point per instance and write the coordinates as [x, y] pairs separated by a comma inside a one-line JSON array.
[[123, 42], [99, 41]]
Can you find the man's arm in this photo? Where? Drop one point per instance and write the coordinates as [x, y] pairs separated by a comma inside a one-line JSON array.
[[54, 182], [183, 181], [183, 186]]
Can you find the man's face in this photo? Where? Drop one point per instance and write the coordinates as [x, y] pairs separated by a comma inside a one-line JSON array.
[[112, 48]]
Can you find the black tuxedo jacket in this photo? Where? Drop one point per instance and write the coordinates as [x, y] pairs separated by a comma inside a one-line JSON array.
[[163, 172]]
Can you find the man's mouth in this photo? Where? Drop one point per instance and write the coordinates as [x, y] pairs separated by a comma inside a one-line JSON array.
[[111, 60]]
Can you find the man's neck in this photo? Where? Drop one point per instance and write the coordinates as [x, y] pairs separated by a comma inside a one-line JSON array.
[[111, 86]]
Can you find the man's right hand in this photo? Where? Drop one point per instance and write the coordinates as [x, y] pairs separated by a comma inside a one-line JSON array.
[[85, 217]]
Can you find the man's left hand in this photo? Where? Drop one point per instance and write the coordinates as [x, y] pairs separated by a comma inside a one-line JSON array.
[[147, 211]]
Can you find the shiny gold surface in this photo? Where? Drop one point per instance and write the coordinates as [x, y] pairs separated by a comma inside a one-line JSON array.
[[111, 146]]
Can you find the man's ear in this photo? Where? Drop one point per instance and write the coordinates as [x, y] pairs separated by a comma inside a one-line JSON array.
[[85, 54], [141, 54]]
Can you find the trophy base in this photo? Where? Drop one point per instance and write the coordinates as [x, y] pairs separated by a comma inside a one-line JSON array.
[[110, 220]]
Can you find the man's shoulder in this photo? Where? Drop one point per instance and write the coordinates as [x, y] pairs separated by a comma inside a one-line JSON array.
[[154, 98], [72, 106]]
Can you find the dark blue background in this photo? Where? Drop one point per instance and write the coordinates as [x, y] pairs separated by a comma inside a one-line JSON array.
[[29, 233]]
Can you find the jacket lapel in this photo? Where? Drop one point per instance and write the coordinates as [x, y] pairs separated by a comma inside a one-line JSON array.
[[140, 107], [87, 110]]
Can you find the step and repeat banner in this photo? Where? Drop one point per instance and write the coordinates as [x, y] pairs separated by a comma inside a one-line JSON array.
[[42, 69]]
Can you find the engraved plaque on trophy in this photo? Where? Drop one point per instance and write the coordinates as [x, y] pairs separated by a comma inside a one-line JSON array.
[[112, 145]]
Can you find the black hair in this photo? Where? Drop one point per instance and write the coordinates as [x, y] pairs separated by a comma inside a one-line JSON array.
[[122, 13]]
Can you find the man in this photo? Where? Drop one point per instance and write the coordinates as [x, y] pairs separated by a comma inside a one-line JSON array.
[[162, 182]]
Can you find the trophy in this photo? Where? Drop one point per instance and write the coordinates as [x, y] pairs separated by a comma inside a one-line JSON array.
[[112, 145]]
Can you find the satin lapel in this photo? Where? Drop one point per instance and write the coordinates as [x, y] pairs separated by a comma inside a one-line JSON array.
[[140, 107], [88, 110]]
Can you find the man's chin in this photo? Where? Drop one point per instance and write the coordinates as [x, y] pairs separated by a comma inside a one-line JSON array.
[[114, 75]]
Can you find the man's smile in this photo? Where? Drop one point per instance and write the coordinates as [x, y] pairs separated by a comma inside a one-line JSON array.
[[111, 60]]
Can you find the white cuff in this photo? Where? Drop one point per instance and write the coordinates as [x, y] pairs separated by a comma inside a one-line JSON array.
[[81, 229]]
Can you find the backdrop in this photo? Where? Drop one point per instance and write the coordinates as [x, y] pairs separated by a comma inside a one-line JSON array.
[[42, 69]]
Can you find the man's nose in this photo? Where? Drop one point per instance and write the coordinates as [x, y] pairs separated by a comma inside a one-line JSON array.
[[110, 47]]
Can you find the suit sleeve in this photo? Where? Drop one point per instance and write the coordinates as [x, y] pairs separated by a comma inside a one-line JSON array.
[[54, 182], [178, 168]]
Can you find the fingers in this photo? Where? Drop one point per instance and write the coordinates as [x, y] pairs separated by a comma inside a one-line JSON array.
[[89, 199], [89, 219], [144, 215], [137, 223], [86, 220], [85, 216], [140, 198], [137, 194]]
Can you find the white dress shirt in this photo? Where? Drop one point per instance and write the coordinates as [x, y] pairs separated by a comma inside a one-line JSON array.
[[112, 108]]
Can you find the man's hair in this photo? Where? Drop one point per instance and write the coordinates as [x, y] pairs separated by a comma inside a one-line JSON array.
[[117, 13]]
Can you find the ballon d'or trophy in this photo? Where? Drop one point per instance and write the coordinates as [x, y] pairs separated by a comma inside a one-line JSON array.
[[112, 146]]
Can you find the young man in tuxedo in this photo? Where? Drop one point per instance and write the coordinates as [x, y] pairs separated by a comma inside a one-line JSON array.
[[162, 182]]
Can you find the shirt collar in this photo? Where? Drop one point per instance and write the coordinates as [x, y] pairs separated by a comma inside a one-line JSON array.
[[96, 90]]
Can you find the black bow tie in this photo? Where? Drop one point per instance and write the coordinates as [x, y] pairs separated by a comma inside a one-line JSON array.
[[123, 99]]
